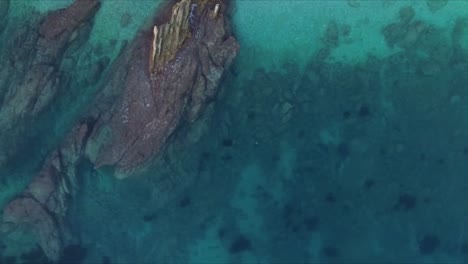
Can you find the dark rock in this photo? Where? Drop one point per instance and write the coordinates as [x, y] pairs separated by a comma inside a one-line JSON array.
[[346, 115], [435, 5], [364, 111], [406, 202], [330, 252], [343, 150], [106, 260], [406, 14], [32, 77], [125, 20], [227, 157], [251, 115], [222, 233], [149, 217], [184, 202], [44, 203], [311, 223], [240, 244], [153, 90], [369, 184], [428, 244], [465, 151], [464, 248], [227, 142], [332, 34], [394, 33], [330, 198]]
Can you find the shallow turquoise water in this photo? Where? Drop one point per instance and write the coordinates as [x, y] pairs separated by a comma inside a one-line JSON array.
[[327, 144]]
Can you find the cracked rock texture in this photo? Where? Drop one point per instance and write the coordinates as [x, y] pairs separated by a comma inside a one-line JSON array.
[[154, 103], [31, 77]]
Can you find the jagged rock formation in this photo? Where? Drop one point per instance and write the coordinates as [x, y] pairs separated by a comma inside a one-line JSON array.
[[166, 75], [43, 205]]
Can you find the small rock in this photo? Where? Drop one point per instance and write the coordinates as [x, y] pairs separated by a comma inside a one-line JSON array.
[[428, 244], [332, 33], [330, 252], [406, 14], [240, 244], [346, 30], [394, 33], [435, 5], [413, 34]]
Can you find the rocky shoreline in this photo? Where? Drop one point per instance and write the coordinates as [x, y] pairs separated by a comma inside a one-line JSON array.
[[165, 76]]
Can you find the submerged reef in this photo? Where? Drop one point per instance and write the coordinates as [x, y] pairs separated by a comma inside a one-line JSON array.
[[166, 75]]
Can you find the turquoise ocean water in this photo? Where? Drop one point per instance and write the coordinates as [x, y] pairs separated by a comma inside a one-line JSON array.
[[339, 135]]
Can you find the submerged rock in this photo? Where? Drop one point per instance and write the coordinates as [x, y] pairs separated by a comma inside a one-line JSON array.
[[31, 77], [435, 5], [42, 207]]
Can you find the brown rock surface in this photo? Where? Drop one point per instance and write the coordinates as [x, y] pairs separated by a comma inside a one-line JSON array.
[[167, 74]]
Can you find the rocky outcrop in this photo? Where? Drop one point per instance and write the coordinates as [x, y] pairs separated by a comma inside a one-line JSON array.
[[41, 208], [166, 75], [30, 75]]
